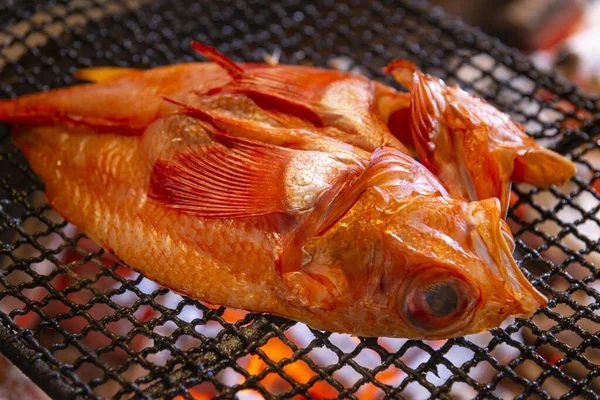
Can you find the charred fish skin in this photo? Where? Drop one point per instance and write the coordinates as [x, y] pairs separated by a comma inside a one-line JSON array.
[[273, 202]]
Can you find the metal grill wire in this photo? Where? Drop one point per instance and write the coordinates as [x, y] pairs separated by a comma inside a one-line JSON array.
[[83, 325]]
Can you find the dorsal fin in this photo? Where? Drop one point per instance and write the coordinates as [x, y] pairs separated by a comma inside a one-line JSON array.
[[321, 97], [278, 89], [303, 137], [235, 71], [402, 71]]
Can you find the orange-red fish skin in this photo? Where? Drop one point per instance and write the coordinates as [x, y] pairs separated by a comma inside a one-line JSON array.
[[100, 183]]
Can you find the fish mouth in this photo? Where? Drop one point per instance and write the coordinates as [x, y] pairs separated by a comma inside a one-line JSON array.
[[528, 298], [494, 244]]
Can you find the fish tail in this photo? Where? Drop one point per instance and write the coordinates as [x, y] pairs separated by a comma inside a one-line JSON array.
[[27, 140], [110, 110], [7, 109]]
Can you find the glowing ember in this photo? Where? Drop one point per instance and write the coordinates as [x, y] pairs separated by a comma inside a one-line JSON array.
[[389, 376], [278, 352]]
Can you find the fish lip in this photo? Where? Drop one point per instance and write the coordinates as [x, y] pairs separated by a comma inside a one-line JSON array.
[[517, 296], [528, 298]]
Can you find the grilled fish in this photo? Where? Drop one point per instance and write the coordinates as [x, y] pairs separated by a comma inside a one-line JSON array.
[[276, 189]]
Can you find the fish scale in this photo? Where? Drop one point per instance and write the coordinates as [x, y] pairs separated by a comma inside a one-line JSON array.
[[122, 233]]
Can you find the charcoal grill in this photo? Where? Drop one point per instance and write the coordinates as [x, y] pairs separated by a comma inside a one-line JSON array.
[[81, 326]]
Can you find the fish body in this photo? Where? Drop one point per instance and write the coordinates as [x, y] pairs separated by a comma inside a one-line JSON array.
[[272, 189]]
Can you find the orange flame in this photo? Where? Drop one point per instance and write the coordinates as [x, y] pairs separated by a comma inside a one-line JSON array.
[[299, 371], [232, 315], [553, 359], [27, 321], [436, 344], [387, 377], [596, 186]]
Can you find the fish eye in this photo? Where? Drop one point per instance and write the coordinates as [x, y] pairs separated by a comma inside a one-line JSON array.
[[436, 303], [442, 299]]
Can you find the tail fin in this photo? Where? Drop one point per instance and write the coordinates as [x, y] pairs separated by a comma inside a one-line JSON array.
[[7, 109], [123, 102], [74, 106]]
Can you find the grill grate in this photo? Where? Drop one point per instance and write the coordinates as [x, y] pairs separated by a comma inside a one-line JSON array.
[[81, 325]]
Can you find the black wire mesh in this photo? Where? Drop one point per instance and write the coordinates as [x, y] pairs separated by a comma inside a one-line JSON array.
[[81, 325]]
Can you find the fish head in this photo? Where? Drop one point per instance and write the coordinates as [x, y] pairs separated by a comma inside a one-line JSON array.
[[449, 268], [473, 148]]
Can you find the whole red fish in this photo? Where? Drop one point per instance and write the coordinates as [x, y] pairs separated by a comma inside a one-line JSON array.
[[278, 189]]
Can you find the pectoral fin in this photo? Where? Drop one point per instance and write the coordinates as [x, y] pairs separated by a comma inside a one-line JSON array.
[[232, 178], [542, 167], [236, 177]]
